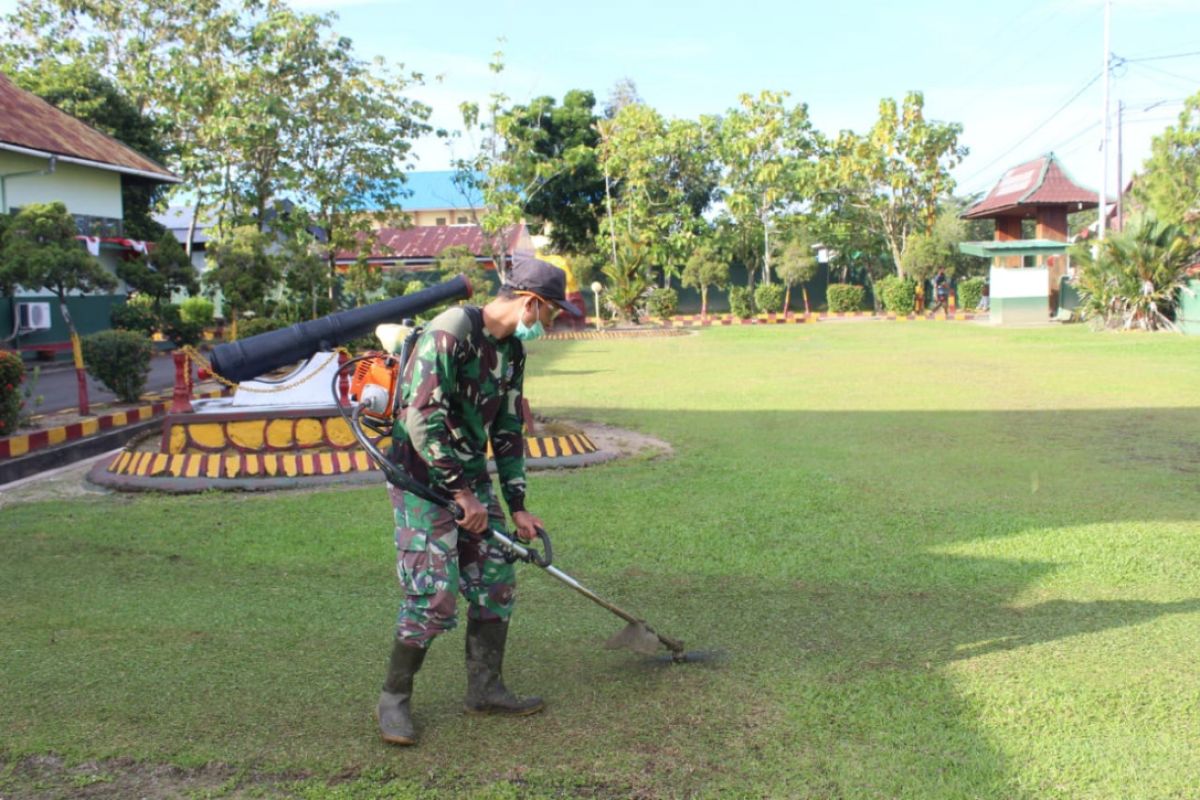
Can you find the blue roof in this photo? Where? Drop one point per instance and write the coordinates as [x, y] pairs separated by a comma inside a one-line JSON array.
[[432, 190]]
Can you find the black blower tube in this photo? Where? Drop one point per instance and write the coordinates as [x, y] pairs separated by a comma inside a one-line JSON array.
[[249, 358]]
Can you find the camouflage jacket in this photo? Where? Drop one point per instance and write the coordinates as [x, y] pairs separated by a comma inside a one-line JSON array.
[[461, 388]]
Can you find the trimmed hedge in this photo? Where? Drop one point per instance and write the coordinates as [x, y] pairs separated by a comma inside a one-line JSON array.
[[197, 309], [769, 298], [897, 295], [845, 297], [120, 360], [740, 303], [970, 292]]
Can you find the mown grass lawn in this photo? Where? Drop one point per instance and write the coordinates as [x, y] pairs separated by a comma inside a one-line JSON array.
[[943, 561]]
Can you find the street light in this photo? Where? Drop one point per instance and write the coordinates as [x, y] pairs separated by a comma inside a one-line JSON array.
[[597, 288]]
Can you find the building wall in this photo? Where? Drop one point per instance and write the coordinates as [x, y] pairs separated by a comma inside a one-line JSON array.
[[1019, 296], [83, 190], [427, 218]]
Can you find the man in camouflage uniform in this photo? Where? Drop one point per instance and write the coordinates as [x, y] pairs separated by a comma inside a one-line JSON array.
[[461, 389]]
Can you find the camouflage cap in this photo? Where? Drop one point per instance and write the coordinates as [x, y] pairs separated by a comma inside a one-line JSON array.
[[529, 274]]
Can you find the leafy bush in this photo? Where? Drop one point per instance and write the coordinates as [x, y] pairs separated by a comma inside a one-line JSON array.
[[844, 297], [197, 309], [769, 297], [740, 302], [12, 372], [898, 295], [134, 316], [970, 292], [663, 302], [181, 332], [256, 325], [120, 360]]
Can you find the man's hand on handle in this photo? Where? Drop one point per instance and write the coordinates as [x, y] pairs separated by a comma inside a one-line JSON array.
[[475, 515], [525, 524]]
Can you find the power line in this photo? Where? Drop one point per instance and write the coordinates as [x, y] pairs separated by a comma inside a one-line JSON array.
[[1163, 58], [1169, 74], [1035, 131]]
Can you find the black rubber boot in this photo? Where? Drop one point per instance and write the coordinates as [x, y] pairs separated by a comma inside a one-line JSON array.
[[486, 693], [395, 719]]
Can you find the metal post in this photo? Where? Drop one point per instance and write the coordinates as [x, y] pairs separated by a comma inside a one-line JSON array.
[[1120, 178], [1104, 141]]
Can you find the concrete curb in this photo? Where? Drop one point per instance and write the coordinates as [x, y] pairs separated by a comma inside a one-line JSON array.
[[13, 469]]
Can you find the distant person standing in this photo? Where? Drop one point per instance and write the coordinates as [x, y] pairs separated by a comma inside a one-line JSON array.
[[941, 290]]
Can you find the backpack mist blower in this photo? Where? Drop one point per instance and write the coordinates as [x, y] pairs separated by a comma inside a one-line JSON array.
[[375, 403]]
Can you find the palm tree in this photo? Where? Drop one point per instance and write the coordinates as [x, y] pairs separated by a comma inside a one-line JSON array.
[[1134, 277]]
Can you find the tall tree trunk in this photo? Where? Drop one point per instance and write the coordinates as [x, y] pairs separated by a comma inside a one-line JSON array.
[[703, 302], [76, 352], [804, 291], [787, 299]]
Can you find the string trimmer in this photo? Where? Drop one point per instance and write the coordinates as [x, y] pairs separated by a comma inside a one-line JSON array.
[[374, 396]]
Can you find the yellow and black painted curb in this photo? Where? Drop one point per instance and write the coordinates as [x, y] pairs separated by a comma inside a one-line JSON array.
[[251, 466]]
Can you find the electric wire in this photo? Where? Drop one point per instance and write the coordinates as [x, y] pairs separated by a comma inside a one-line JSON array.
[[1033, 132]]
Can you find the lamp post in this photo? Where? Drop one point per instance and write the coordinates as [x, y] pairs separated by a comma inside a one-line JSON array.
[[597, 288]]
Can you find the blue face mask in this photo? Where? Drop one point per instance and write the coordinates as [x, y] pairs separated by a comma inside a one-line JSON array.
[[527, 333]]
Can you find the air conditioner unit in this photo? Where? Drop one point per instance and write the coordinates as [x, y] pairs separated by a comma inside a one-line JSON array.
[[33, 316]]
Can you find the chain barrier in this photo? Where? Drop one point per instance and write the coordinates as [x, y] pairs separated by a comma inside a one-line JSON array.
[[203, 362]]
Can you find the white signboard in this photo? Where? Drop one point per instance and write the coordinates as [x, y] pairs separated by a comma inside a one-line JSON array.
[[1019, 282]]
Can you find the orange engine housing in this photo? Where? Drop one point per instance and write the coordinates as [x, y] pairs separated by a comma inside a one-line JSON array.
[[374, 385]]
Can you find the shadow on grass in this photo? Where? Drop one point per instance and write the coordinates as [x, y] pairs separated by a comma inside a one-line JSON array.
[[882, 583]]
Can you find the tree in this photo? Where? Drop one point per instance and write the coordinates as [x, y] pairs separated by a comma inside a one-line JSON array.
[[627, 281], [623, 93], [41, 252], [766, 149], [705, 268], [662, 175], [796, 265], [305, 271], [243, 271], [459, 260], [551, 149], [1170, 187], [162, 272], [1134, 277], [896, 173]]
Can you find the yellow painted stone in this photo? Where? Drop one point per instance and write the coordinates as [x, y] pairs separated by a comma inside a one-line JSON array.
[[271, 465], [176, 465], [338, 432], [309, 432], [213, 467], [119, 418], [193, 466], [247, 434], [326, 460], [159, 465], [252, 464], [177, 441], [90, 426], [56, 435], [18, 445], [118, 466], [233, 465], [343, 462], [209, 435], [289, 465], [279, 434], [535, 447]]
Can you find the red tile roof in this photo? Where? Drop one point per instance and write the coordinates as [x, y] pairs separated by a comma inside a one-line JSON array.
[[28, 122], [425, 243], [1041, 182]]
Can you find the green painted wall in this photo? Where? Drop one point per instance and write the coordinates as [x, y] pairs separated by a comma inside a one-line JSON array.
[[83, 190], [1189, 308], [91, 314], [1017, 310]]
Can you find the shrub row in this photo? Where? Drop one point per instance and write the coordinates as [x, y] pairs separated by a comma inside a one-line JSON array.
[[898, 295], [970, 292], [845, 297]]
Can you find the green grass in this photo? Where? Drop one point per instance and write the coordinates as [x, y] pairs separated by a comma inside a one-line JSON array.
[[943, 561]]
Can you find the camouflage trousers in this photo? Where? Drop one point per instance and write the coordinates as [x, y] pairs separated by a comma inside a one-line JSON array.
[[435, 561]]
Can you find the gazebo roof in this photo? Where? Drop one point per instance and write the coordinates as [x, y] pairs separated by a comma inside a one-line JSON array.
[[1041, 182]]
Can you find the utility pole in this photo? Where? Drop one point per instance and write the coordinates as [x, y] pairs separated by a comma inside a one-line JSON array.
[[1104, 141], [1120, 226]]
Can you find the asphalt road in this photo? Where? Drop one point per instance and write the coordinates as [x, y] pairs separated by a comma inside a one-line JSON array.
[[59, 389]]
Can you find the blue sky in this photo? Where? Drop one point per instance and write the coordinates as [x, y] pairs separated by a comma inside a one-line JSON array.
[[1001, 69]]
